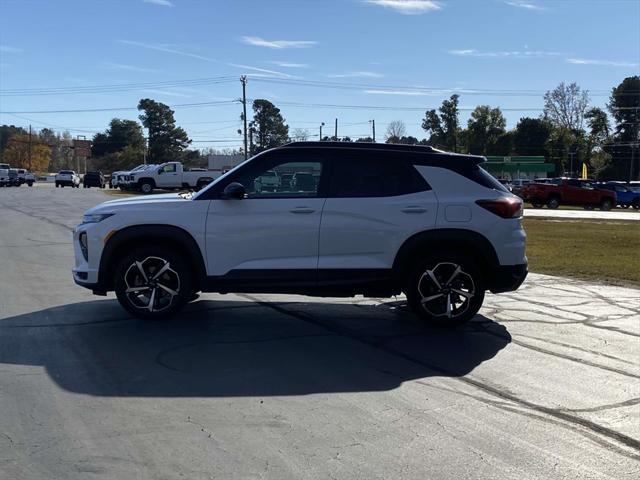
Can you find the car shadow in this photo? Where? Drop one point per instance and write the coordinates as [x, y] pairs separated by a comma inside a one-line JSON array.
[[243, 348]]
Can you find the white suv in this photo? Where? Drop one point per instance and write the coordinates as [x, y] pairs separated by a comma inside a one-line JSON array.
[[67, 178], [379, 220]]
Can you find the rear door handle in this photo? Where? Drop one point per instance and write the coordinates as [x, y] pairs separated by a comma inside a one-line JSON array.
[[414, 209], [302, 210]]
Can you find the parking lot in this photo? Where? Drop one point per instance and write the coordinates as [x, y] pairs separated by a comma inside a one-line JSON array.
[[542, 384]]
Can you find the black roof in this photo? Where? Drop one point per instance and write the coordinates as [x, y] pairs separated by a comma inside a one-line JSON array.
[[387, 147]]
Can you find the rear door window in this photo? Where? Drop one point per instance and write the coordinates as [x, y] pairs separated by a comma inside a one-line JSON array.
[[359, 175]]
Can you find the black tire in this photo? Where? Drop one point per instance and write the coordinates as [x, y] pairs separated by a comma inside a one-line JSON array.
[[443, 291], [626, 205], [85, 186], [606, 204], [30, 184], [536, 204], [176, 278], [553, 202], [57, 184], [146, 187], [636, 203]]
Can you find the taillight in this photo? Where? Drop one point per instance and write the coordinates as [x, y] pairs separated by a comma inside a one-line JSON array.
[[505, 207]]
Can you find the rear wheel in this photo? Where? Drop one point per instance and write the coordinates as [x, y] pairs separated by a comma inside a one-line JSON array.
[[445, 290], [146, 187], [153, 282], [536, 204], [606, 204], [636, 203]]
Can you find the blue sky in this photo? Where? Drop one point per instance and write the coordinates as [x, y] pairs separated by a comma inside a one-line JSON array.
[[400, 56]]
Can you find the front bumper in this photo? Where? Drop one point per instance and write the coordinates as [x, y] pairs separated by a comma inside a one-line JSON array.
[[507, 278]]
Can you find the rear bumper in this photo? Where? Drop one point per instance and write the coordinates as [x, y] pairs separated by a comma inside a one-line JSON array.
[[508, 278]]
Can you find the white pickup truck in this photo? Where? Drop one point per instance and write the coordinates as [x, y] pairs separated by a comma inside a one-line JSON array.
[[122, 179], [171, 176]]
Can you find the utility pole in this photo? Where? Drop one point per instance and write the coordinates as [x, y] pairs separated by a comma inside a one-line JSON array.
[[321, 125], [335, 136], [29, 147], [373, 126], [251, 137], [243, 80]]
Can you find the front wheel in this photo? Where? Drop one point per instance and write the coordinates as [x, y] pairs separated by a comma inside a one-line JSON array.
[[153, 282], [553, 203], [606, 205], [446, 290]]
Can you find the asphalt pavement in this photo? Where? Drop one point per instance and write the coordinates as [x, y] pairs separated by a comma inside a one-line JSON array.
[[544, 383]]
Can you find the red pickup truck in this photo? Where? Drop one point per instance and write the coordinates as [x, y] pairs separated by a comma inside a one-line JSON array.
[[568, 191]]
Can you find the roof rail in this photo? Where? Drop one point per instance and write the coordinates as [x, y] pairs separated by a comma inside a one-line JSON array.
[[366, 146]]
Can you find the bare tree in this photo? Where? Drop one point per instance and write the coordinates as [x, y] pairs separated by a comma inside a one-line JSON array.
[[396, 129], [566, 105], [300, 135]]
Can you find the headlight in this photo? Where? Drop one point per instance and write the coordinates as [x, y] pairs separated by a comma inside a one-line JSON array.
[[95, 217]]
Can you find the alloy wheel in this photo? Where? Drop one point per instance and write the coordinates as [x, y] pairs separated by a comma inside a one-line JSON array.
[[446, 290], [151, 284]]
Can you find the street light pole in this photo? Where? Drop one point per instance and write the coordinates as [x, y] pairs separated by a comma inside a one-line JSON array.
[[373, 126], [321, 125]]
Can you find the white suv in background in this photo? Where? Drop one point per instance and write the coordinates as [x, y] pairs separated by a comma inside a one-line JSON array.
[[374, 219], [67, 178]]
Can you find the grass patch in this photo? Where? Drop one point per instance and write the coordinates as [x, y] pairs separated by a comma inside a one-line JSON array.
[[596, 250]]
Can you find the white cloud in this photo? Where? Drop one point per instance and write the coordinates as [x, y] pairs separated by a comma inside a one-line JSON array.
[[603, 63], [161, 48], [9, 49], [262, 70], [278, 44], [525, 5], [166, 93], [504, 54], [162, 3], [130, 68], [289, 64], [408, 7], [359, 74]]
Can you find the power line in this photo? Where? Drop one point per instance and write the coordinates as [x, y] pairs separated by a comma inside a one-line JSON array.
[[112, 88], [116, 109]]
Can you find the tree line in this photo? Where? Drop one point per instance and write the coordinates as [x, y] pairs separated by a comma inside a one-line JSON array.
[[568, 132]]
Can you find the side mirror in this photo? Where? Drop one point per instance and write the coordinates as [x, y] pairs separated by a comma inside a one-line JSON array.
[[235, 191], [160, 171]]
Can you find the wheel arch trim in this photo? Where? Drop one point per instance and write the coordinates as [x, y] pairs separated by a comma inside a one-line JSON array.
[[450, 238], [157, 232]]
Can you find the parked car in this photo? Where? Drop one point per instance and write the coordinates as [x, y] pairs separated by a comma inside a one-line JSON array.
[[516, 186], [625, 194], [394, 218], [568, 191], [303, 181], [14, 178], [93, 179], [269, 180], [67, 178], [170, 176], [4, 174], [27, 177]]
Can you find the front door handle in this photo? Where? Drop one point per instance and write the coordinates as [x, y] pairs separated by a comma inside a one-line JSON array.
[[414, 209], [302, 210]]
